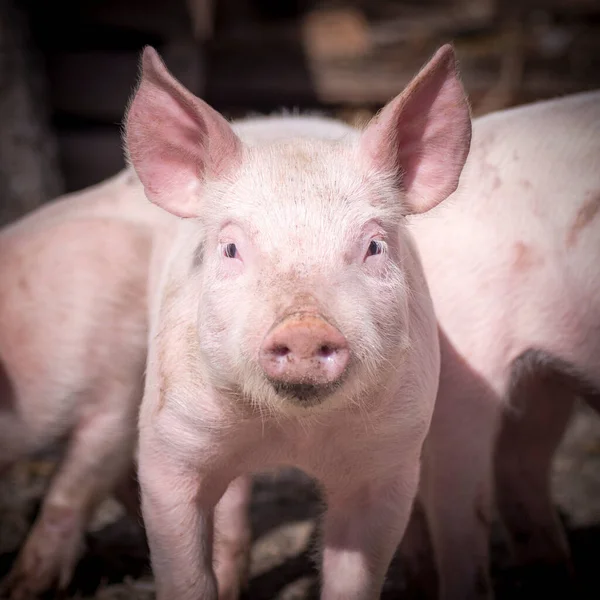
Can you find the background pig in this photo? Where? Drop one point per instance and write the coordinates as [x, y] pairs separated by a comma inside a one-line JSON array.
[[512, 263], [73, 329], [292, 323]]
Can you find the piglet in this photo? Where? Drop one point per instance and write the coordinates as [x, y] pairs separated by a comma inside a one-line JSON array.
[[73, 328], [512, 264], [291, 323]]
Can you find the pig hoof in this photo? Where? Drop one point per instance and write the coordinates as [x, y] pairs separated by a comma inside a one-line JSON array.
[[46, 560], [17, 587], [20, 585], [34, 573]]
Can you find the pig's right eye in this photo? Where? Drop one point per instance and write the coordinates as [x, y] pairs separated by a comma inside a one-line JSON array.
[[230, 250]]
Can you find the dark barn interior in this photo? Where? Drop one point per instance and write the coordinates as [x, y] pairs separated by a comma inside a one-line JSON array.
[[67, 70]]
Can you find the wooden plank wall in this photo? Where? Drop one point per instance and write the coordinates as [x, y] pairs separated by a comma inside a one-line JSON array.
[[349, 57], [361, 53], [92, 52]]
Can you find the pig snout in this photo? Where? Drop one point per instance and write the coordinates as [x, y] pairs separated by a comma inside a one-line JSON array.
[[304, 351]]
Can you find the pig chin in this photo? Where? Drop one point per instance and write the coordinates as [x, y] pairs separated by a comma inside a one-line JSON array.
[[306, 394]]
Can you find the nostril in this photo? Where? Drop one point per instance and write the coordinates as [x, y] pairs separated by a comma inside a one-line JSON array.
[[326, 351], [280, 351]]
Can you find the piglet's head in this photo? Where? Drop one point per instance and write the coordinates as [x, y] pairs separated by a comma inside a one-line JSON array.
[[296, 248]]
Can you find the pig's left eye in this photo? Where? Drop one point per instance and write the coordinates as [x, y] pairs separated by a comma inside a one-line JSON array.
[[230, 250], [375, 247]]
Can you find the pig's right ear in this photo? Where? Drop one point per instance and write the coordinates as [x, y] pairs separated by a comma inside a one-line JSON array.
[[175, 141]]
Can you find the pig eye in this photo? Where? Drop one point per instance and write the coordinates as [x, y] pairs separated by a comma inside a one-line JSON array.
[[230, 250], [375, 247]]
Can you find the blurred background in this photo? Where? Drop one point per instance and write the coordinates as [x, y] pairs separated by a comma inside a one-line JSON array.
[[67, 69]]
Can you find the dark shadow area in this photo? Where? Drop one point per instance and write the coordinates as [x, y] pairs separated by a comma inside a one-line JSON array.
[[271, 583], [285, 497], [118, 551], [512, 583], [248, 73]]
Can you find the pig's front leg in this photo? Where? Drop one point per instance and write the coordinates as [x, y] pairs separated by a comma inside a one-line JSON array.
[[177, 506], [99, 450], [361, 533], [418, 557]]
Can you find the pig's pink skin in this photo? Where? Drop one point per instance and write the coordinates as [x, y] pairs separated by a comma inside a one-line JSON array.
[[301, 210], [512, 264], [73, 334]]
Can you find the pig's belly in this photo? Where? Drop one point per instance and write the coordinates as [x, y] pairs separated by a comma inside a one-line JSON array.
[[559, 313]]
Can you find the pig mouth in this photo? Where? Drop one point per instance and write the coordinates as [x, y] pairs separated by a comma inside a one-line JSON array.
[[305, 394]]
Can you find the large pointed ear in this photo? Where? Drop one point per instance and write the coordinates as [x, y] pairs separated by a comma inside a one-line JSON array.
[[423, 135], [174, 140]]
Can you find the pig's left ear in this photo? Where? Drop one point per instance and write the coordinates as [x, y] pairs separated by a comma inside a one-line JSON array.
[[423, 135], [175, 141]]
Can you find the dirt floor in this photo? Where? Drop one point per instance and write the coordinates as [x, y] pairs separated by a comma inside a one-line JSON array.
[[284, 513]]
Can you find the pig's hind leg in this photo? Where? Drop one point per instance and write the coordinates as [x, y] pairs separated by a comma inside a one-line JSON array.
[[233, 538], [14, 438], [99, 452], [456, 482], [543, 393]]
